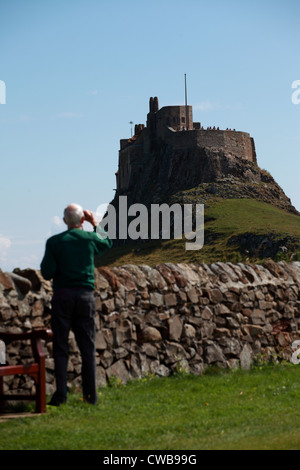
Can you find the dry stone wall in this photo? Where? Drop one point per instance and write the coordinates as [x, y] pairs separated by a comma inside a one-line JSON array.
[[165, 319]]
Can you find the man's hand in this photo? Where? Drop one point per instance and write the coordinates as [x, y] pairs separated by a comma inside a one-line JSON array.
[[89, 217]]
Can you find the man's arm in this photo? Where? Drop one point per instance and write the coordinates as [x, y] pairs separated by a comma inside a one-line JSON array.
[[106, 242], [48, 264], [103, 237]]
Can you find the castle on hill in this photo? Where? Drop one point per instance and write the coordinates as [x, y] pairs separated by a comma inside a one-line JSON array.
[[173, 128]]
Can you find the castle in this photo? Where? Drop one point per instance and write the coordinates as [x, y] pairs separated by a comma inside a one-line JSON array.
[[172, 127]]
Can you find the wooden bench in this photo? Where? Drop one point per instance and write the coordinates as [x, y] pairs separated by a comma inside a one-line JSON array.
[[36, 370]]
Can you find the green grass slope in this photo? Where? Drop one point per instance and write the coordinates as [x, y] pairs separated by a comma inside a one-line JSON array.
[[236, 230]]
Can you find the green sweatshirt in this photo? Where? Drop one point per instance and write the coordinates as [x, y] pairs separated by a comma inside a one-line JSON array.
[[69, 257]]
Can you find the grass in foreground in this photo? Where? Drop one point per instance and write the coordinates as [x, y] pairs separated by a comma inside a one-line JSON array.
[[259, 409]]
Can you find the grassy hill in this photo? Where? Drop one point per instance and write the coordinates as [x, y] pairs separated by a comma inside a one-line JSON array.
[[236, 230]]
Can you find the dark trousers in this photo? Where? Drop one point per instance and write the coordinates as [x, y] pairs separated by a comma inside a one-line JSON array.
[[74, 308]]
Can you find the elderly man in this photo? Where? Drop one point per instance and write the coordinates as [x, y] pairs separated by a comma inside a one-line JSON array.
[[69, 262]]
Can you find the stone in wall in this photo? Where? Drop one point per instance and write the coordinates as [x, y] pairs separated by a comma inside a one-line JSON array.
[[166, 319]]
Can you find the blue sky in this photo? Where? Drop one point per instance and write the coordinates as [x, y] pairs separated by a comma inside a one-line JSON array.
[[78, 71]]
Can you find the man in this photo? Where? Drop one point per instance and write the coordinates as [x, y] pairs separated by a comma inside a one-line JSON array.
[[69, 262]]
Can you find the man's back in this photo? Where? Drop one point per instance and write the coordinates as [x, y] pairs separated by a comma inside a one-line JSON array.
[[69, 258]]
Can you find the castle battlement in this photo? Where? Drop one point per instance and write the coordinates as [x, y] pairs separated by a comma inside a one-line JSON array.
[[173, 126]]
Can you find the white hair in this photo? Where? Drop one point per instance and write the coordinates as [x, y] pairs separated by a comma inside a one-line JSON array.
[[73, 215]]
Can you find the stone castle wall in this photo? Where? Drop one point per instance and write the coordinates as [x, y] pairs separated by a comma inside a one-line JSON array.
[[165, 319], [235, 142]]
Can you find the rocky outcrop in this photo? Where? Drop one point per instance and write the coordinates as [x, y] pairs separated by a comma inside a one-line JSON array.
[[211, 171], [166, 319]]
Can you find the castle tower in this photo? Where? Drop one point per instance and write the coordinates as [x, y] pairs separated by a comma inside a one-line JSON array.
[[151, 116], [153, 105]]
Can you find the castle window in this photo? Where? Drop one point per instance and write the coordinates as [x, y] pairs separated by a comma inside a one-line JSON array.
[[183, 119]]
